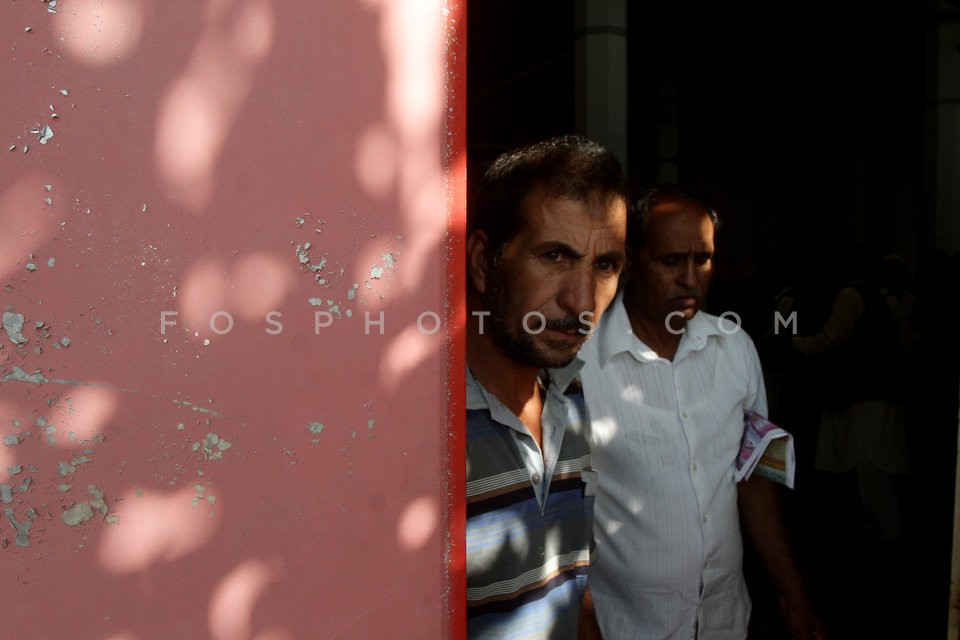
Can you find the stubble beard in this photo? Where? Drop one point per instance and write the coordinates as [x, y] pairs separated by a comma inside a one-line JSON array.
[[520, 346]]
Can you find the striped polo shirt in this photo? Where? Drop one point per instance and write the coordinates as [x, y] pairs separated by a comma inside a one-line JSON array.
[[529, 514]]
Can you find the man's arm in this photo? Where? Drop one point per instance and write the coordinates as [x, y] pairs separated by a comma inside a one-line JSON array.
[[848, 306], [761, 520]]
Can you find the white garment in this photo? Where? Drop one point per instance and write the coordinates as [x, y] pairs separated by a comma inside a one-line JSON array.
[[665, 436], [872, 429]]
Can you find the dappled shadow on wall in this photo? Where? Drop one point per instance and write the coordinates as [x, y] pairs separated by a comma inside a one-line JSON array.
[[188, 454]]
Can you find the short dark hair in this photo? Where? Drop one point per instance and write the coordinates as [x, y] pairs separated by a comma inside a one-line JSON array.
[[639, 212], [566, 166]]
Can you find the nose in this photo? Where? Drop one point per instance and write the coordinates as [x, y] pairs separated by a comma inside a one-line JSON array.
[[579, 292], [689, 276]]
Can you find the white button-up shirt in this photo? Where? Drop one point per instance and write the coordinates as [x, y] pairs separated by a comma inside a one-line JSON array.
[[665, 436]]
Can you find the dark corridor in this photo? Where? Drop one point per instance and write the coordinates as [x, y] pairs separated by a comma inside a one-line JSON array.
[[806, 126]]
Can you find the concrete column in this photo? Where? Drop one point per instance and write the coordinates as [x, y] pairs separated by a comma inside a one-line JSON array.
[[942, 122], [953, 615], [941, 189], [601, 73]]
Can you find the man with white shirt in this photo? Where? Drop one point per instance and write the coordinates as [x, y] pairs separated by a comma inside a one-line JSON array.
[[666, 385], [545, 247]]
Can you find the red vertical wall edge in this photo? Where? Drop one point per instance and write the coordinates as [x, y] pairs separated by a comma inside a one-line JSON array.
[[456, 167]]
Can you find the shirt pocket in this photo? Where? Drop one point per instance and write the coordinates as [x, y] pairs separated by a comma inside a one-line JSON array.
[[590, 479]]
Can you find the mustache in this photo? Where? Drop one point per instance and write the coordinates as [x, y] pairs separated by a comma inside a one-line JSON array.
[[567, 323]]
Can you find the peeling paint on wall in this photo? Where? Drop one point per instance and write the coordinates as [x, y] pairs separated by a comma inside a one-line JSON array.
[[77, 514], [94, 244], [19, 375], [13, 325], [22, 528], [212, 446], [316, 428]]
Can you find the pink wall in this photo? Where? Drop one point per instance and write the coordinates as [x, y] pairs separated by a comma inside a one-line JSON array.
[[247, 160]]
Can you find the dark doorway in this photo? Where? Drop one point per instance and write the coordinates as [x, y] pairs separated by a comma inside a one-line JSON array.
[[804, 126]]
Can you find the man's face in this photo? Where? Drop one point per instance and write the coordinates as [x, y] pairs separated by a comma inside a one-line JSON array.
[[670, 273], [564, 263]]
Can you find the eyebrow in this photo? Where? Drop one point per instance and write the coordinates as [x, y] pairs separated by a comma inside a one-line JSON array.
[[684, 254], [556, 245], [613, 256]]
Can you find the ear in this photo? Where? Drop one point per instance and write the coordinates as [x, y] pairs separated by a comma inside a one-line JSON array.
[[477, 262]]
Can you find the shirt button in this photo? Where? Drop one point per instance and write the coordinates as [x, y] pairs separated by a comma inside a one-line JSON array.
[[694, 466], [684, 415], [536, 478], [704, 519], [521, 436]]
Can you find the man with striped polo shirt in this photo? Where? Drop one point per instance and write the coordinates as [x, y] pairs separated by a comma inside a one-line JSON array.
[[545, 249]]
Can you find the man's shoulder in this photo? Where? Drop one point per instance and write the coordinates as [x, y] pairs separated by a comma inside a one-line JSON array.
[[725, 328], [722, 339]]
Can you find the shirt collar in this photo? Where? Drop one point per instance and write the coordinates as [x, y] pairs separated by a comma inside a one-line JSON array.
[[699, 329], [615, 335], [557, 379]]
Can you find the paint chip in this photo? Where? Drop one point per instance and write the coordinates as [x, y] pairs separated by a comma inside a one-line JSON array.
[[21, 375], [22, 528], [77, 514], [43, 133], [13, 325], [11, 440], [316, 428], [213, 446], [97, 502]]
